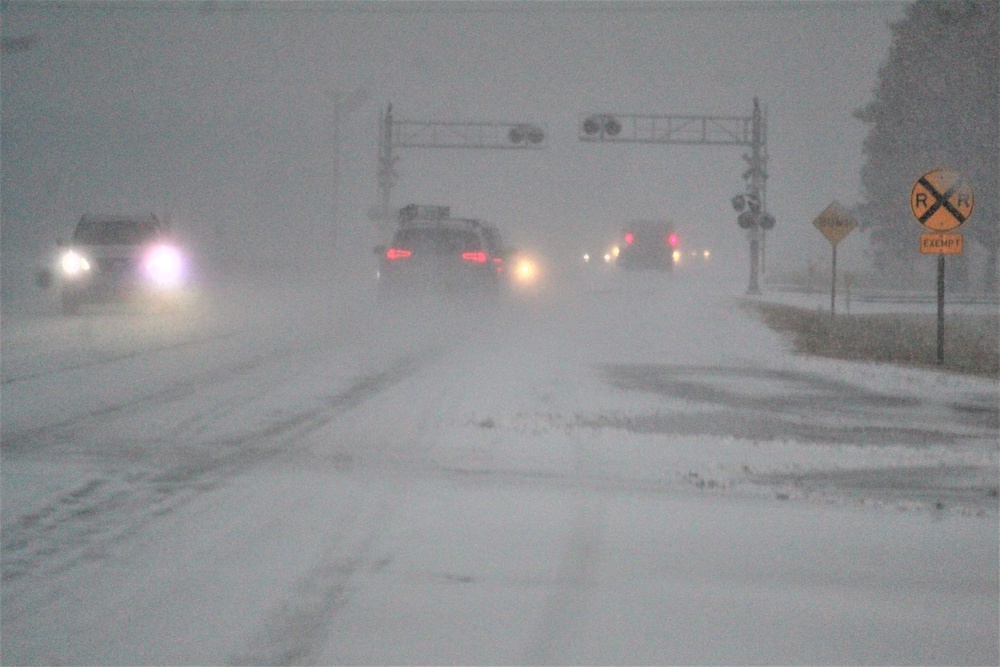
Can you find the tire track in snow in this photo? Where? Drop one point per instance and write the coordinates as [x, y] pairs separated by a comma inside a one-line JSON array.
[[178, 389], [296, 631], [81, 525], [105, 360], [567, 598]]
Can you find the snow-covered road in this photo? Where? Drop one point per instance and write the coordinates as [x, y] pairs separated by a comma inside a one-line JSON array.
[[624, 469]]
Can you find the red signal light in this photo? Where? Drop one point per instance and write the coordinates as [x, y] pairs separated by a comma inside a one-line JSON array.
[[629, 237], [673, 240]]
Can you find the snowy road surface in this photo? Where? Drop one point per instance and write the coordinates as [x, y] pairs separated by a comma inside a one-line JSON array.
[[626, 470]]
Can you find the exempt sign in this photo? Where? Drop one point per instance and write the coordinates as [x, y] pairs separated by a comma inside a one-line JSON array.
[[941, 244]]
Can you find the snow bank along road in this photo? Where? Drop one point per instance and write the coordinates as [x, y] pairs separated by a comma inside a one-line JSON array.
[[626, 470]]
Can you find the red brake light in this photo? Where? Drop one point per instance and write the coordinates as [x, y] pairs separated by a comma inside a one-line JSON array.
[[629, 237], [477, 257], [673, 240], [397, 253]]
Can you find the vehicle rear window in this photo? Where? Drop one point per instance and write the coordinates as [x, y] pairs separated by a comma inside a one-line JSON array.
[[114, 232], [649, 234], [493, 241], [438, 241]]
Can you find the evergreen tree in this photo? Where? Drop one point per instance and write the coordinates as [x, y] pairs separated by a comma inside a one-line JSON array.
[[936, 106]]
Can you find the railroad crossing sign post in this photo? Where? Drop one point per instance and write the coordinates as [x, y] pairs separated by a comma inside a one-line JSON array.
[[834, 223], [941, 201]]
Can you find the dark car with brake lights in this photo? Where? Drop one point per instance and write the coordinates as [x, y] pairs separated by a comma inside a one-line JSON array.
[[647, 245], [432, 253]]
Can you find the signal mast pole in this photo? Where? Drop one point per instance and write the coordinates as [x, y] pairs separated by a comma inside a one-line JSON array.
[[385, 171], [757, 178]]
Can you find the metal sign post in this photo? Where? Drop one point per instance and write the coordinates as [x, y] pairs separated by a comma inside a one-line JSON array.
[[941, 201], [834, 223]]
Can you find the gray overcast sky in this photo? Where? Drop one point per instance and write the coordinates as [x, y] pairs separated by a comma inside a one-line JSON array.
[[221, 114]]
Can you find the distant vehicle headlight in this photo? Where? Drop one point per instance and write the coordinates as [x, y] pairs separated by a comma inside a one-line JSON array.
[[73, 263], [164, 266]]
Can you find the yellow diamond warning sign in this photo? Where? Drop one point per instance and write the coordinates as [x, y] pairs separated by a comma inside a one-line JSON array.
[[835, 223], [941, 244], [941, 200]]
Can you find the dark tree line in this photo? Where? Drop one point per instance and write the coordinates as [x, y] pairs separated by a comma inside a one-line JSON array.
[[936, 106]]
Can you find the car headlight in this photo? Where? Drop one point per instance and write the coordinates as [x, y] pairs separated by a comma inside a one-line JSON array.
[[526, 271], [164, 266], [73, 263]]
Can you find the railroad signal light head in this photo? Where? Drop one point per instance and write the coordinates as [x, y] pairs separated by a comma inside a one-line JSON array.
[[603, 124], [673, 240], [525, 133]]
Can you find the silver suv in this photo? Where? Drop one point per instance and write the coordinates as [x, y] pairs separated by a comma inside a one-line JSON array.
[[116, 257]]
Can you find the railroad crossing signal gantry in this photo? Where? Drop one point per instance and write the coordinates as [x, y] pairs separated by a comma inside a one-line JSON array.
[[750, 131]]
